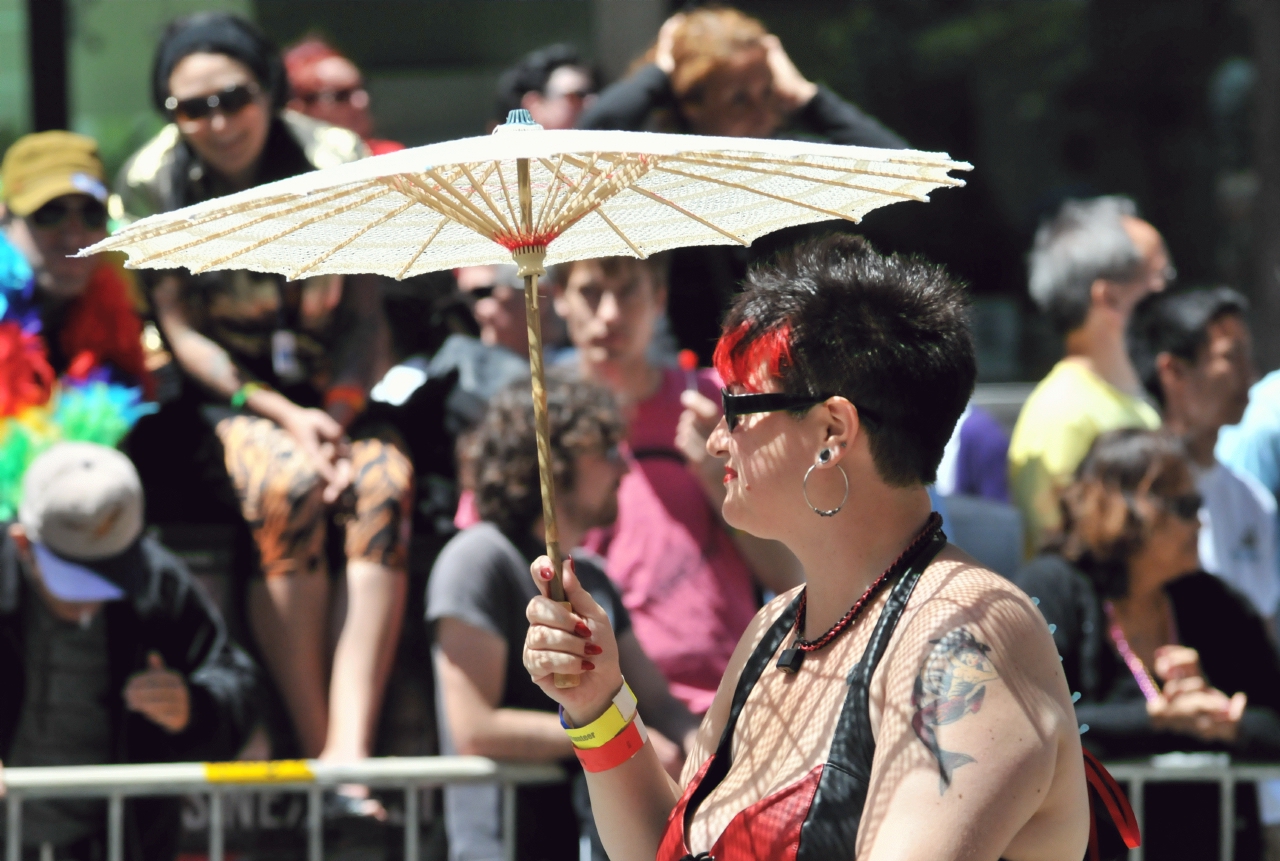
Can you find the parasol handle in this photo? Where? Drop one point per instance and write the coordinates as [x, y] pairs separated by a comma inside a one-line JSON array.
[[542, 428]]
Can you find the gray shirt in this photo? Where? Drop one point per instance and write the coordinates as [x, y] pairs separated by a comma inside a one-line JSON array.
[[482, 578], [65, 719]]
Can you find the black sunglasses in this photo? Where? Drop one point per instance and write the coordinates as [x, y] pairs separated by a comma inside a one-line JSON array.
[[340, 97], [743, 405], [92, 214], [475, 294], [1186, 507], [230, 101]]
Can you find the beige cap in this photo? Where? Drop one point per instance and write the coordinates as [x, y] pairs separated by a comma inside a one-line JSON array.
[[82, 509], [45, 165]]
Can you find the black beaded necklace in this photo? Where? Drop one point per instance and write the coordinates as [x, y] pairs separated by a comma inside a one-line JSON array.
[[791, 659]]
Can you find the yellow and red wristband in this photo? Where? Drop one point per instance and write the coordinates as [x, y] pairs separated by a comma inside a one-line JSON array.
[[617, 750], [611, 739], [604, 728]]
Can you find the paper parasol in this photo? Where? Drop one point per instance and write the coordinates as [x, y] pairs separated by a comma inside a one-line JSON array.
[[538, 197]]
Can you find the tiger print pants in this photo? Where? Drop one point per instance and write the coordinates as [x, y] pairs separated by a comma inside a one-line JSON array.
[[280, 496]]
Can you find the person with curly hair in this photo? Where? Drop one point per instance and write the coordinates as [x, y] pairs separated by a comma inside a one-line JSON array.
[[475, 605], [1165, 656]]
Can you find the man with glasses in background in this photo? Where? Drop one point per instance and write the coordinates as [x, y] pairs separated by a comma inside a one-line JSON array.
[[53, 202], [327, 86]]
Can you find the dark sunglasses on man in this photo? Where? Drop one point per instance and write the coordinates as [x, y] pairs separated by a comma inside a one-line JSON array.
[[229, 102], [54, 214], [1185, 507], [356, 96], [475, 294]]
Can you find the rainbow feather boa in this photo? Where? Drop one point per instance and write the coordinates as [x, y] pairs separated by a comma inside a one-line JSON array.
[[37, 409]]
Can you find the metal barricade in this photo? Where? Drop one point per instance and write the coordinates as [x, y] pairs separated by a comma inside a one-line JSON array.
[[1193, 768], [410, 774]]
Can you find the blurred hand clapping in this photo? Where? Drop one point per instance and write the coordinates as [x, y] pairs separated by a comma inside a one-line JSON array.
[[1187, 704]]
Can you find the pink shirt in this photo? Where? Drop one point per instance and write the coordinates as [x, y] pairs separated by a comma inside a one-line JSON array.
[[689, 592]]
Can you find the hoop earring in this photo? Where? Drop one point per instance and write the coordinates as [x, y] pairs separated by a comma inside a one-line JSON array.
[[825, 512]]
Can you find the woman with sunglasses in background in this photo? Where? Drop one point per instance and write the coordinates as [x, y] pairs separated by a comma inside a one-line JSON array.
[[53, 202], [1165, 656], [904, 702], [279, 371]]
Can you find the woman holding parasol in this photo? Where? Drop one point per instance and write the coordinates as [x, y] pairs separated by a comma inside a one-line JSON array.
[[879, 711], [873, 359]]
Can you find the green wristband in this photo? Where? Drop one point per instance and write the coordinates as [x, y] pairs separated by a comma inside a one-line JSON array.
[[242, 395]]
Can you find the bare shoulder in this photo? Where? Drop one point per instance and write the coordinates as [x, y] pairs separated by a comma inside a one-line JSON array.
[[972, 715], [958, 592], [955, 575], [718, 715], [962, 614]]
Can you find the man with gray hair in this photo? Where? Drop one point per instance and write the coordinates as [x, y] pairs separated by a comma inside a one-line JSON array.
[[109, 653], [1089, 267]]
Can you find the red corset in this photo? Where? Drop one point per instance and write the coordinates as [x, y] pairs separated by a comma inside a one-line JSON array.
[[768, 830]]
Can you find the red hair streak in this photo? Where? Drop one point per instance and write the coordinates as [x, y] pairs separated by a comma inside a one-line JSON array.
[[750, 364]]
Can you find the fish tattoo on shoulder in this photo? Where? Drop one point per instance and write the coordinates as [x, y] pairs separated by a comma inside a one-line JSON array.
[[951, 684]]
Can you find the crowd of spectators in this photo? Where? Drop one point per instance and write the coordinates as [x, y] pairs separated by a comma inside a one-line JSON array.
[[1140, 476]]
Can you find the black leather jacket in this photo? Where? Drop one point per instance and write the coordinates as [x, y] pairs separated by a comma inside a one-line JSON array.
[[172, 617]]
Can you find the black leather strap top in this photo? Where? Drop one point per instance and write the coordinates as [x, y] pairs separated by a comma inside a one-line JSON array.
[[830, 828]]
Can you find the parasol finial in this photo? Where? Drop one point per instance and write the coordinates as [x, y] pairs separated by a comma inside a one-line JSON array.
[[519, 120]]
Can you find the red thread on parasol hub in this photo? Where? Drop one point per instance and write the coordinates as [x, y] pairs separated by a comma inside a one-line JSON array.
[[525, 241]]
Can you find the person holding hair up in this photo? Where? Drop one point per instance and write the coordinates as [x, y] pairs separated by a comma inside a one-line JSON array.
[[717, 71]]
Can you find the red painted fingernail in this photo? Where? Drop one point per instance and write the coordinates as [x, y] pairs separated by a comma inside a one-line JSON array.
[[547, 573], [587, 665], [582, 630], [592, 649]]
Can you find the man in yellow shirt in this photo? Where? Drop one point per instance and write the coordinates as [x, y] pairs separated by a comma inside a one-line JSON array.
[[1090, 265]]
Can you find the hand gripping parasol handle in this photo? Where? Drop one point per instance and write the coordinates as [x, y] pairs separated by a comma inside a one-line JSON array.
[[530, 263]]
